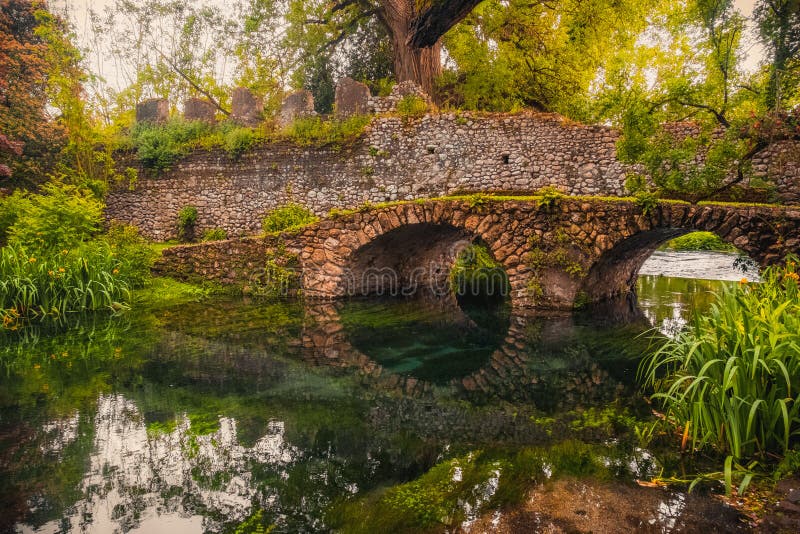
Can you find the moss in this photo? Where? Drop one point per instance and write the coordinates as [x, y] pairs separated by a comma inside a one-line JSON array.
[[699, 241], [163, 292], [314, 131]]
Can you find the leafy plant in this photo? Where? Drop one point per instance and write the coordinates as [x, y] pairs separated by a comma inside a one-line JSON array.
[[476, 272], [411, 106], [215, 234], [288, 217], [158, 146], [730, 381], [237, 141], [62, 216], [647, 201], [316, 131], [187, 219]]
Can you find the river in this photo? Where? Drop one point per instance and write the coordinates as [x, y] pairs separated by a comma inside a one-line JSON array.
[[307, 418]]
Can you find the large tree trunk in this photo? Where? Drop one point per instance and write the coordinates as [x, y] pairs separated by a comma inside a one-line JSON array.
[[416, 36]]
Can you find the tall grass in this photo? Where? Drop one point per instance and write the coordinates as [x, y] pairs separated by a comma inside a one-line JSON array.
[[89, 278], [730, 381]]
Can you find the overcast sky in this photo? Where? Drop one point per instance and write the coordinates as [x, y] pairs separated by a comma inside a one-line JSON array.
[[78, 13]]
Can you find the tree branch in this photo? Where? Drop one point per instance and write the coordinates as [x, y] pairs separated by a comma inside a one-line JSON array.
[[191, 82], [429, 26]]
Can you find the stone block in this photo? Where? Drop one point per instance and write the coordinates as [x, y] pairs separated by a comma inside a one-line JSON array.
[[246, 108], [352, 98], [197, 109], [153, 110], [297, 104]]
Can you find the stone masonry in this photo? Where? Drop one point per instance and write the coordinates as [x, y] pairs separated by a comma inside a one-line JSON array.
[[395, 159], [556, 255]]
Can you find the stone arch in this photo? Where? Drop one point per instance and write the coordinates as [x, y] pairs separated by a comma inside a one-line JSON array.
[[402, 248], [763, 234]]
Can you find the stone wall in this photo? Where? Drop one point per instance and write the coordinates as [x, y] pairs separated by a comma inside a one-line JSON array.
[[394, 160]]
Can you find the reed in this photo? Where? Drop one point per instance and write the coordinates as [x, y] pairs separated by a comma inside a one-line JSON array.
[[51, 284], [729, 381]]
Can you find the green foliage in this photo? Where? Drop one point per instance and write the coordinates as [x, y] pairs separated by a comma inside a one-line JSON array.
[[730, 381], [10, 209], [237, 141], [412, 106], [700, 241], [288, 217], [475, 272], [62, 216], [316, 131], [215, 234], [133, 253], [158, 146], [646, 201], [83, 279], [187, 219]]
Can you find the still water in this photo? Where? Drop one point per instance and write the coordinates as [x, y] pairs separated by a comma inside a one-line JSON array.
[[232, 416]]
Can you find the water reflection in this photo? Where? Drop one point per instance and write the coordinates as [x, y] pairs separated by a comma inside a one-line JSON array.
[[197, 418]]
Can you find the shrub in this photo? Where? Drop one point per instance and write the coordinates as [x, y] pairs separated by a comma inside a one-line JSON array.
[[238, 141], [730, 381], [10, 209], [59, 218], [700, 241], [187, 219], [315, 131], [134, 256], [288, 217], [647, 201], [476, 272], [158, 146], [411, 106], [215, 234], [550, 197]]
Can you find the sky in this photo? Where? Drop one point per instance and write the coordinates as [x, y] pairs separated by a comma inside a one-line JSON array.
[[78, 14]]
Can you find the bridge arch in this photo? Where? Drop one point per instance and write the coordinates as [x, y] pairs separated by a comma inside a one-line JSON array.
[[403, 249], [554, 254]]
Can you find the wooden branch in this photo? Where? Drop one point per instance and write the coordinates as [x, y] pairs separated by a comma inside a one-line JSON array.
[[191, 82]]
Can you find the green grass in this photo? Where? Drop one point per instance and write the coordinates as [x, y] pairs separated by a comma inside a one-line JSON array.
[[729, 383], [163, 292], [287, 217]]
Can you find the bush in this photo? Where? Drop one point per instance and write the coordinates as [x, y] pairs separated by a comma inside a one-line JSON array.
[[62, 217], [134, 256], [158, 146], [187, 219], [237, 141], [476, 272], [700, 241], [730, 381], [315, 131], [215, 234], [10, 209], [288, 217], [411, 106]]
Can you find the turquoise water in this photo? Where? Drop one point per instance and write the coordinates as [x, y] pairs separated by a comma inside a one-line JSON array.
[[199, 418]]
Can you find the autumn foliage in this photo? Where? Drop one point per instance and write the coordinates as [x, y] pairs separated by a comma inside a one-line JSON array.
[[30, 139]]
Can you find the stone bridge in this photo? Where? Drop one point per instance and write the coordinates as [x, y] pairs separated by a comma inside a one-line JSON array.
[[557, 253]]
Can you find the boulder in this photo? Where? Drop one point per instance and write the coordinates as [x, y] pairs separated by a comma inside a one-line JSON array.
[[154, 110], [297, 104], [197, 109], [352, 98], [246, 108]]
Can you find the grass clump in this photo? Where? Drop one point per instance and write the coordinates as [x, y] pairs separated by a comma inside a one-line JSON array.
[[288, 217], [412, 106], [316, 131], [699, 241], [729, 383], [215, 234]]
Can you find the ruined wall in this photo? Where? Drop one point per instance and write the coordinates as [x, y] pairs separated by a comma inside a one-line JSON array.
[[396, 159]]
